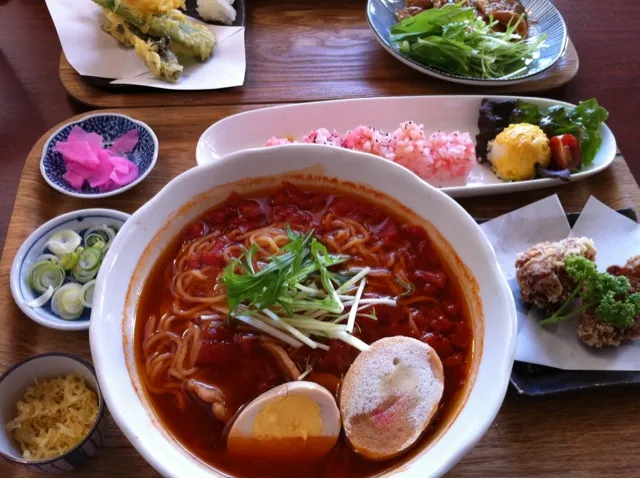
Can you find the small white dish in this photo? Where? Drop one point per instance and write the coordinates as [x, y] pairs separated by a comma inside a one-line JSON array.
[[34, 246], [154, 226], [110, 126], [447, 113], [13, 384]]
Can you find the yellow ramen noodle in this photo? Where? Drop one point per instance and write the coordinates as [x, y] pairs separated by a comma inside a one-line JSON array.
[[53, 416]]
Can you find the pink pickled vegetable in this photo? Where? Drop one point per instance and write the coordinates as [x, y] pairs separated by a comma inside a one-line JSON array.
[[86, 160], [100, 175], [74, 179], [78, 152], [94, 140], [126, 143], [124, 172]]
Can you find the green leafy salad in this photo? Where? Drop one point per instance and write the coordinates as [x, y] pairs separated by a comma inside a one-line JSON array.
[[453, 39]]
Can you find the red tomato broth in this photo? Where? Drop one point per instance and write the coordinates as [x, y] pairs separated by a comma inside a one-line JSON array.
[[434, 312]]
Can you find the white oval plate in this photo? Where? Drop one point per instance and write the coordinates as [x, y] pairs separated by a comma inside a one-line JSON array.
[[252, 129]]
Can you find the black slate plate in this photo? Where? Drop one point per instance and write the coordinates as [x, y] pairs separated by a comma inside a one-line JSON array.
[[533, 380], [104, 83]]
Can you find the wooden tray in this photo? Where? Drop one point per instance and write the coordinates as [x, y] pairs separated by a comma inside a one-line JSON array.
[[528, 438], [308, 51]]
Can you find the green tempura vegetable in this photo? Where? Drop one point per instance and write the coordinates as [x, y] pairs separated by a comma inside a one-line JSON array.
[[609, 294], [452, 39], [192, 39]]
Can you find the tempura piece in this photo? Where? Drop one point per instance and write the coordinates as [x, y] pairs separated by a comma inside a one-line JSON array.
[[154, 6], [156, 53], [188, 38]]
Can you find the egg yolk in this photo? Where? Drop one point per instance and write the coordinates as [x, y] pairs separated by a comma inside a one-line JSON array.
[[288, 416]]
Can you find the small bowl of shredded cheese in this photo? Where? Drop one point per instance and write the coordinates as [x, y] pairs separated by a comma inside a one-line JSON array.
[[52, 413]]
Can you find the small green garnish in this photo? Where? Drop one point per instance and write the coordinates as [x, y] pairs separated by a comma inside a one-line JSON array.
[[295, 295], [609, 295]]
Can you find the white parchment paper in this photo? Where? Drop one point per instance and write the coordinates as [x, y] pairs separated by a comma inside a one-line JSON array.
[[92, 52], [616, 238]]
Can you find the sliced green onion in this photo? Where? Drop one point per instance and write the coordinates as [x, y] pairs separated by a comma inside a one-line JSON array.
[[64, 242], [68, 261], [66, 302], [351, 340], [95, 241], [354, 308], [310, 324], [40, 301], [276, 322], [45, 274], [48, 257], [86, 293], [262, 326], [363, 272], [88, 265], [103, 233]]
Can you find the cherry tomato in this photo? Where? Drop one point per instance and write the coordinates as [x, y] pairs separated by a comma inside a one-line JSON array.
[[565, 152]]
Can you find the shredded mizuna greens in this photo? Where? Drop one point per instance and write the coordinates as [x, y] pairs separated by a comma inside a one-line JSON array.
[[453, 39], [294, 295]]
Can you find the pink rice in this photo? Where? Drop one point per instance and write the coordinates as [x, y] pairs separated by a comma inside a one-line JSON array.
[[441, 156], [369, 140], [322, 136]]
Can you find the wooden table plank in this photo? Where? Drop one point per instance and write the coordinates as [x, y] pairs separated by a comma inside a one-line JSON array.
[[585, 434], [301, 51]]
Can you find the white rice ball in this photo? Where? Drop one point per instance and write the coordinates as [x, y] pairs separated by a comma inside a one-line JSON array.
[[217, 11]]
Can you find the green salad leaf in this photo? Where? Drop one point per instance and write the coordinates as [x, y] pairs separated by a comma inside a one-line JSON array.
[[453, 39], [583, 122]]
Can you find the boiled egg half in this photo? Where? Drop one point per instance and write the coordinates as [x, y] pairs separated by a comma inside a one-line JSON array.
[[296, 421]]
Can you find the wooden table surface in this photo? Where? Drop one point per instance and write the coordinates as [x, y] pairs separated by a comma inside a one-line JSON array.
[[304, 51], [587, 434]]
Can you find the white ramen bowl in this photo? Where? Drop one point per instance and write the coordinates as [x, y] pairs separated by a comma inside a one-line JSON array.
[[141, 241]]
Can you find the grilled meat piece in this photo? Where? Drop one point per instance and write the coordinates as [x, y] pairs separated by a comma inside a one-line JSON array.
[[504, 11], [408, 12]]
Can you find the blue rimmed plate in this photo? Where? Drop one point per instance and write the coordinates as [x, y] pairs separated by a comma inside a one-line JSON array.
[[542, 17], [35, 245]]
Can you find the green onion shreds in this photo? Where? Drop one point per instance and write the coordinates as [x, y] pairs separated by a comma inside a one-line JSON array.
[[300, 296]]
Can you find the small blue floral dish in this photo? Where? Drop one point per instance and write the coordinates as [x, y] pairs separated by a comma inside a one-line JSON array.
[[110, 126], [35, 246], [13, 384]]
